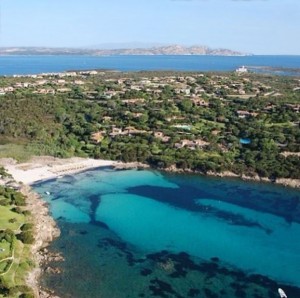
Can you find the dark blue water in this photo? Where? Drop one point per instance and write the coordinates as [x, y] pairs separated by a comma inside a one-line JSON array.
[[10, 65], [148, 234]]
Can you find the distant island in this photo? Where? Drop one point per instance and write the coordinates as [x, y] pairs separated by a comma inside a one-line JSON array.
[[161, 50]]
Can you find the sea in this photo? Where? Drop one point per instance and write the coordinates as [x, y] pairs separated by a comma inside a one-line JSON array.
[[22, 65], [145, 233]]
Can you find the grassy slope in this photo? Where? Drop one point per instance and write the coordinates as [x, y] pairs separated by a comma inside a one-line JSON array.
[[13, 274], [6, 215]]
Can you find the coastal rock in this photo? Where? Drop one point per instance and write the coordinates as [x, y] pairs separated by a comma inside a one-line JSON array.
[[289, 182], [295, 183], [47, 257], [53, 270], [130, 165], [47, 294], [45, 232]]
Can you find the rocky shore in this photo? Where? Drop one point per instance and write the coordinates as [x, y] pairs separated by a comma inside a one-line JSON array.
[[45, 232], [295, 183], [130, 165]]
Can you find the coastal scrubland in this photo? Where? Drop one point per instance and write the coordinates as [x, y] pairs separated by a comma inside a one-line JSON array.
[[203, 122]]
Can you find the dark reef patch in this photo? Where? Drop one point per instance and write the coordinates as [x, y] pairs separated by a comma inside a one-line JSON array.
[[100, 224], [160, 288], [210, 294], [269, 202], [95, 202], [146, 272], [193, 292], [83, 232]]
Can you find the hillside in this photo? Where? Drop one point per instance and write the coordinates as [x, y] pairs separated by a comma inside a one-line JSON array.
[[246, 124]]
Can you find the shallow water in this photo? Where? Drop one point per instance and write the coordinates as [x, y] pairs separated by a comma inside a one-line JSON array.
[[147, 234]]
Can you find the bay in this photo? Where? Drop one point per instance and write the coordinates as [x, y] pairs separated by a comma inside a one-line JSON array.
[[145, 233], [35, 64]]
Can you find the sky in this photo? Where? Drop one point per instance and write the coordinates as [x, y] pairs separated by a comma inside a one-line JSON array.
[[250, 26]]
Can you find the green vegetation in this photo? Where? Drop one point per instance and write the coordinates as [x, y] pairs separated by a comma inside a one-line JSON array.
[[15, 235], [4, 174], [16, 151], [10, 219], [188, 120]]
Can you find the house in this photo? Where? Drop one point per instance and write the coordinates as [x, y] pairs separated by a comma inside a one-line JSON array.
[[44, 91], [79, 82], [116, 131], [130, 130], [137, 115], [191, 144], [242, 69], [109, 94], [8, 89], [200, 102], [161, 136], [97, 137], [133, 100], [60, 82], [64, 90], [88, 73], [243, 114], [106, 118]]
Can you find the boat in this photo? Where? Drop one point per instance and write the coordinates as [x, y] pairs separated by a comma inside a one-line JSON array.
[[282, 293], [47, 193]]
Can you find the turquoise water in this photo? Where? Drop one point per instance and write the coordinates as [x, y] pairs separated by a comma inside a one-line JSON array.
[[281, 65], [147, 234]]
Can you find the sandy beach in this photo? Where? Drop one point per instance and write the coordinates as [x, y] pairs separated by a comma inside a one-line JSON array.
[[46, 167]]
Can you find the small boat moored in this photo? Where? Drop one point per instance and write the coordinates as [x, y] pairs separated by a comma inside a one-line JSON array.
[[281, 293]]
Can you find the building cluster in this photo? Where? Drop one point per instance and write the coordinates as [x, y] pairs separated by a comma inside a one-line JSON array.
[[197, 87], [135, 91], [48, 83]]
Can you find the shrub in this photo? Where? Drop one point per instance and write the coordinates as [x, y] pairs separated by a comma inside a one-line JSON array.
[[27, 226], [26, 237], [9, 235]]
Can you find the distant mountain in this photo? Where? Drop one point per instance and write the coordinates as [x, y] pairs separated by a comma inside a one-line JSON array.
[[125, 45], [159, 50]]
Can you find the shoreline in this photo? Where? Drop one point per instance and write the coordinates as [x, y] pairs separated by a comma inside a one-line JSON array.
[[46, 231], [43, 168], [287, 182]]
